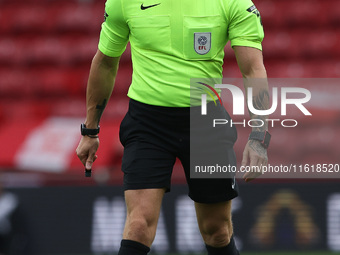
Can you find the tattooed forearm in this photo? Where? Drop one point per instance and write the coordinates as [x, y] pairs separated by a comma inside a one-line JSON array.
[[100, 110], [260, 102]]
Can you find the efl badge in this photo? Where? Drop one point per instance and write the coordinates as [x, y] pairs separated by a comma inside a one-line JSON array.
[[202, 43]]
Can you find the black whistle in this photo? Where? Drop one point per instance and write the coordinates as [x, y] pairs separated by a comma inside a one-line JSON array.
[[88, 172]]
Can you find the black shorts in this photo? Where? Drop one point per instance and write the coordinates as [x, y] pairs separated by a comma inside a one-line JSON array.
[[154, 136]]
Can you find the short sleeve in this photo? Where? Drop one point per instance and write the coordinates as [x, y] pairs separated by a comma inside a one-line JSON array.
[[245, 24], [114, 34]]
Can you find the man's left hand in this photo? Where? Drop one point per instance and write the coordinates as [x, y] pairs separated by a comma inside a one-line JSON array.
[[256, 155]]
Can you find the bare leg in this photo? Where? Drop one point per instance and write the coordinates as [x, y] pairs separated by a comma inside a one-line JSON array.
[[143, 208], [214, 221]]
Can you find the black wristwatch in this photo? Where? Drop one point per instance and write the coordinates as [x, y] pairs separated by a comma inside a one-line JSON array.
[[88, 131], [262, 136]]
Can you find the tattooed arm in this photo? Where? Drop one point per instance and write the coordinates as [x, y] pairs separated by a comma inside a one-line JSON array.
[[250, 62], [99, 88]]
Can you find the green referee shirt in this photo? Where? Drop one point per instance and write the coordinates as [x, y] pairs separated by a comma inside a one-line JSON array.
[[175, 40]]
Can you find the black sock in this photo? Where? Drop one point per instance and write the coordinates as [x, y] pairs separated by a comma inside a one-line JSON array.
[[230, 249], [129, 247]]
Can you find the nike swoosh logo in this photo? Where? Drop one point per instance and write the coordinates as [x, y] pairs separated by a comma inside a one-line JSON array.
[[147, 7]]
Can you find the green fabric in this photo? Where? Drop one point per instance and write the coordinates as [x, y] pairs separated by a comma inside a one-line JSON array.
[[175, 41]]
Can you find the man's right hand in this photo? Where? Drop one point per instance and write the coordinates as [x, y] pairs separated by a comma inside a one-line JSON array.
[[86, 151]]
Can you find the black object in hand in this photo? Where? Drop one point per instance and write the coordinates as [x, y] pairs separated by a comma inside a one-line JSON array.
[[88, 172]]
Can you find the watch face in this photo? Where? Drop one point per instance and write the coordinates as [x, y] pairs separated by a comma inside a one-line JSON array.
[[82, 126]]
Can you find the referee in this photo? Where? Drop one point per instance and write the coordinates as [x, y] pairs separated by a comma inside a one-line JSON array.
[[171, 42]]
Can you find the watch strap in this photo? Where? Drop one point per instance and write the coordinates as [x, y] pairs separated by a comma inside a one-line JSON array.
[[262, 136], [88, 131]]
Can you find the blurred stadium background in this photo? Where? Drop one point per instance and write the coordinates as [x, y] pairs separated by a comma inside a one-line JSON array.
[[46, 47]]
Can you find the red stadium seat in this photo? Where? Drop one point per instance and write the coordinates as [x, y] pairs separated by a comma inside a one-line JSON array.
[[83, 18], [302, 44], [281, 45], [303, 69], [8, 51], [81, 49], [285, 69], [333, 8], [271, 13], [44, 51], [31, 2], [15, 82], [47, 17], [291, 13], [38, 82], [306, 13], [5, 18], [27, 18], [40, 50], [320, 44]]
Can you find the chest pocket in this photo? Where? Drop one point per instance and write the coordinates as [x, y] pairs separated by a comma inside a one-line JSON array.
[[202, 37], [150, 32]]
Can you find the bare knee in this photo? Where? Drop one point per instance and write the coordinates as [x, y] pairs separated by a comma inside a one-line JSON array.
[[139, 229], [216, 233], [143, 207], [214, 221]]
